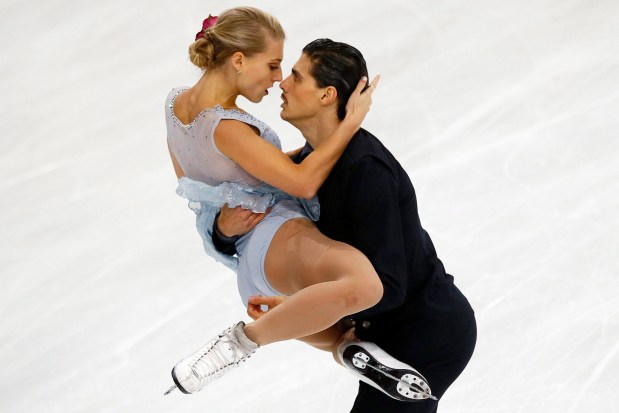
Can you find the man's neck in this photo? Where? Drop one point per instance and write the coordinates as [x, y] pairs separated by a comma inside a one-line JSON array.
[[317, 129]]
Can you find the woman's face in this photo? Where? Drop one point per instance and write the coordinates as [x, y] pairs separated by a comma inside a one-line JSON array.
[[260, 71]]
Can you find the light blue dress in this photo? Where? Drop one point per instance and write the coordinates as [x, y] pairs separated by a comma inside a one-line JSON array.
[[212, 180]]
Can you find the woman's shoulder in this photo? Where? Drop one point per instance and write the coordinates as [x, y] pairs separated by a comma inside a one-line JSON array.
[[264, 130], [241, 116], [172, 94]]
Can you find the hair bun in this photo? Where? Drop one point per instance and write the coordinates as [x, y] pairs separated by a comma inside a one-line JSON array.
[[241, 29], [201, 53]]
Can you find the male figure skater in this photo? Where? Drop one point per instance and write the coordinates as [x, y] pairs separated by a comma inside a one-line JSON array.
[[368, 201]]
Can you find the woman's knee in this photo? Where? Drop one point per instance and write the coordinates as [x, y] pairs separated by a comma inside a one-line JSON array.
[[362, 291], [368, 280], [359, 296], [361, 286], [372, 289]]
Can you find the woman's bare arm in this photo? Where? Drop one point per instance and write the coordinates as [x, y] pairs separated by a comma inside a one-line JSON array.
[[295, 152], [259, 158]]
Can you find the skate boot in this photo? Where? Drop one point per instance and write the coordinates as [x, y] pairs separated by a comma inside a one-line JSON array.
[[213, 360], [374, 366]]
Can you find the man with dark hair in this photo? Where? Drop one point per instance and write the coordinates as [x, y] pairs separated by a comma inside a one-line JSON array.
[[368, 201], [331, 64]]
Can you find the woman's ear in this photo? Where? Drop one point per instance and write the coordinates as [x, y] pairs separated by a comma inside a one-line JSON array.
[[237, 60]]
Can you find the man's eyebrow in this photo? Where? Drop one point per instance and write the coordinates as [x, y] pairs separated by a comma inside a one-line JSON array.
[[296, 73]]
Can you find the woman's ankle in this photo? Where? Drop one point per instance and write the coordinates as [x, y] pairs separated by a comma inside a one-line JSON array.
[[252, 334]]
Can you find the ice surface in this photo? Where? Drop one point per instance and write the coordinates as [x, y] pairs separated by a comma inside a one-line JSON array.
[[504, 113]]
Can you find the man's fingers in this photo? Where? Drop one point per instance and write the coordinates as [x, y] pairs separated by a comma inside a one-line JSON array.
[[246, 213], [257, 218]]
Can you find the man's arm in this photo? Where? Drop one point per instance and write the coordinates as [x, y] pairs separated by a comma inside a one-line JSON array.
[[372, 205], [225, 245]]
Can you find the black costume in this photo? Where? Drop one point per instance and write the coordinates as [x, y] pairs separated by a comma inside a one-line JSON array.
[[368, 202]]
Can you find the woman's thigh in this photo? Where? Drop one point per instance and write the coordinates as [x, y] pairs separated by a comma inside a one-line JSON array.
[[300, 255]]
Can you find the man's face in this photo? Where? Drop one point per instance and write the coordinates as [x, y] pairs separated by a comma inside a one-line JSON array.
[[301, 95]]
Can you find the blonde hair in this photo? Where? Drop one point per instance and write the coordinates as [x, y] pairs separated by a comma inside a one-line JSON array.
[[241, 29]]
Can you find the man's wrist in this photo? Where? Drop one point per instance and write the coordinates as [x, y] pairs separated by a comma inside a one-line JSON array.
[[225, 238]]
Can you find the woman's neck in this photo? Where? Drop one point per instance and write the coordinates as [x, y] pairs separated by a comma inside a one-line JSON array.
[[214, 88]]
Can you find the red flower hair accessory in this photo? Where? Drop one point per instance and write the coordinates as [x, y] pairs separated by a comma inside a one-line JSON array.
[[206, 24]]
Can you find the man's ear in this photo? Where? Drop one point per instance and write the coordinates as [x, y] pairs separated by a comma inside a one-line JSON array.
[[329, 96]]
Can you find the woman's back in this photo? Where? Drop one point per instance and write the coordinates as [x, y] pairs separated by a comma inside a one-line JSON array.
[[193, 144]]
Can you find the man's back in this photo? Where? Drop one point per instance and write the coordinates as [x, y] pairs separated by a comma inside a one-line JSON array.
[[368, 201]]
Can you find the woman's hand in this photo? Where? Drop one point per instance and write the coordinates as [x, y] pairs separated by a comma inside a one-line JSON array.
[[360, 101], [255, 302]]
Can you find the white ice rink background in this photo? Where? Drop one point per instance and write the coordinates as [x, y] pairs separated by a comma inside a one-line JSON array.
[[504, 113]]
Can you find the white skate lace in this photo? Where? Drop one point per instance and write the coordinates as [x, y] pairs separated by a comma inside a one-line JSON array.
[[224, 353]]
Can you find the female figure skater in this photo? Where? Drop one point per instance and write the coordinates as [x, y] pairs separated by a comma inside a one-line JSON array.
[[213, 143]]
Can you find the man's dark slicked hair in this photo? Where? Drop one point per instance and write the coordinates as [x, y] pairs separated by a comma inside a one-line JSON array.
[[336, 64]]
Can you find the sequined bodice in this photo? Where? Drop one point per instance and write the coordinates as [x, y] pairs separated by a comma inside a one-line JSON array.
[[193, 144]]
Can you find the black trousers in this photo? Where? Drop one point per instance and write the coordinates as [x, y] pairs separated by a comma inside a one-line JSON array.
[[437, 341]]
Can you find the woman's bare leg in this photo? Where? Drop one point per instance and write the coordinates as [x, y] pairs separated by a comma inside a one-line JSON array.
[[327, 280], [325, 340], [330, 339]]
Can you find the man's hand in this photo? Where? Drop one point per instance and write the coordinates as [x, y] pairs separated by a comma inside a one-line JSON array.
[[255, 302], [237, 221]]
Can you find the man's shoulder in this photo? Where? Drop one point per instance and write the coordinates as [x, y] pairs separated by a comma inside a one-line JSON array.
[[366, 148]]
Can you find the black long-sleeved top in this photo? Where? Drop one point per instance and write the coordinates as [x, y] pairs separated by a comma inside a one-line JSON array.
[[369, 202]]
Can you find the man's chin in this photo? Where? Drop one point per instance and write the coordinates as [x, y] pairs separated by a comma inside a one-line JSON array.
[[288, 118]]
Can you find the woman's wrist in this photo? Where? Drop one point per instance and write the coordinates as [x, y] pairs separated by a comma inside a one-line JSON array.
[[349, 126]]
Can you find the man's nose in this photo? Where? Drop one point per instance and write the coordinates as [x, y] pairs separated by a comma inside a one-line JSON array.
[[283, 85]]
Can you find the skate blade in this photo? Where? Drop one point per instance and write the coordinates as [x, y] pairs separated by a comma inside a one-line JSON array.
[[424, 394], [170, 390]]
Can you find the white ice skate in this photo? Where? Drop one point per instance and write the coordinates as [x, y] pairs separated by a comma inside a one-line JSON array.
[[213, 360], [374, 366]]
